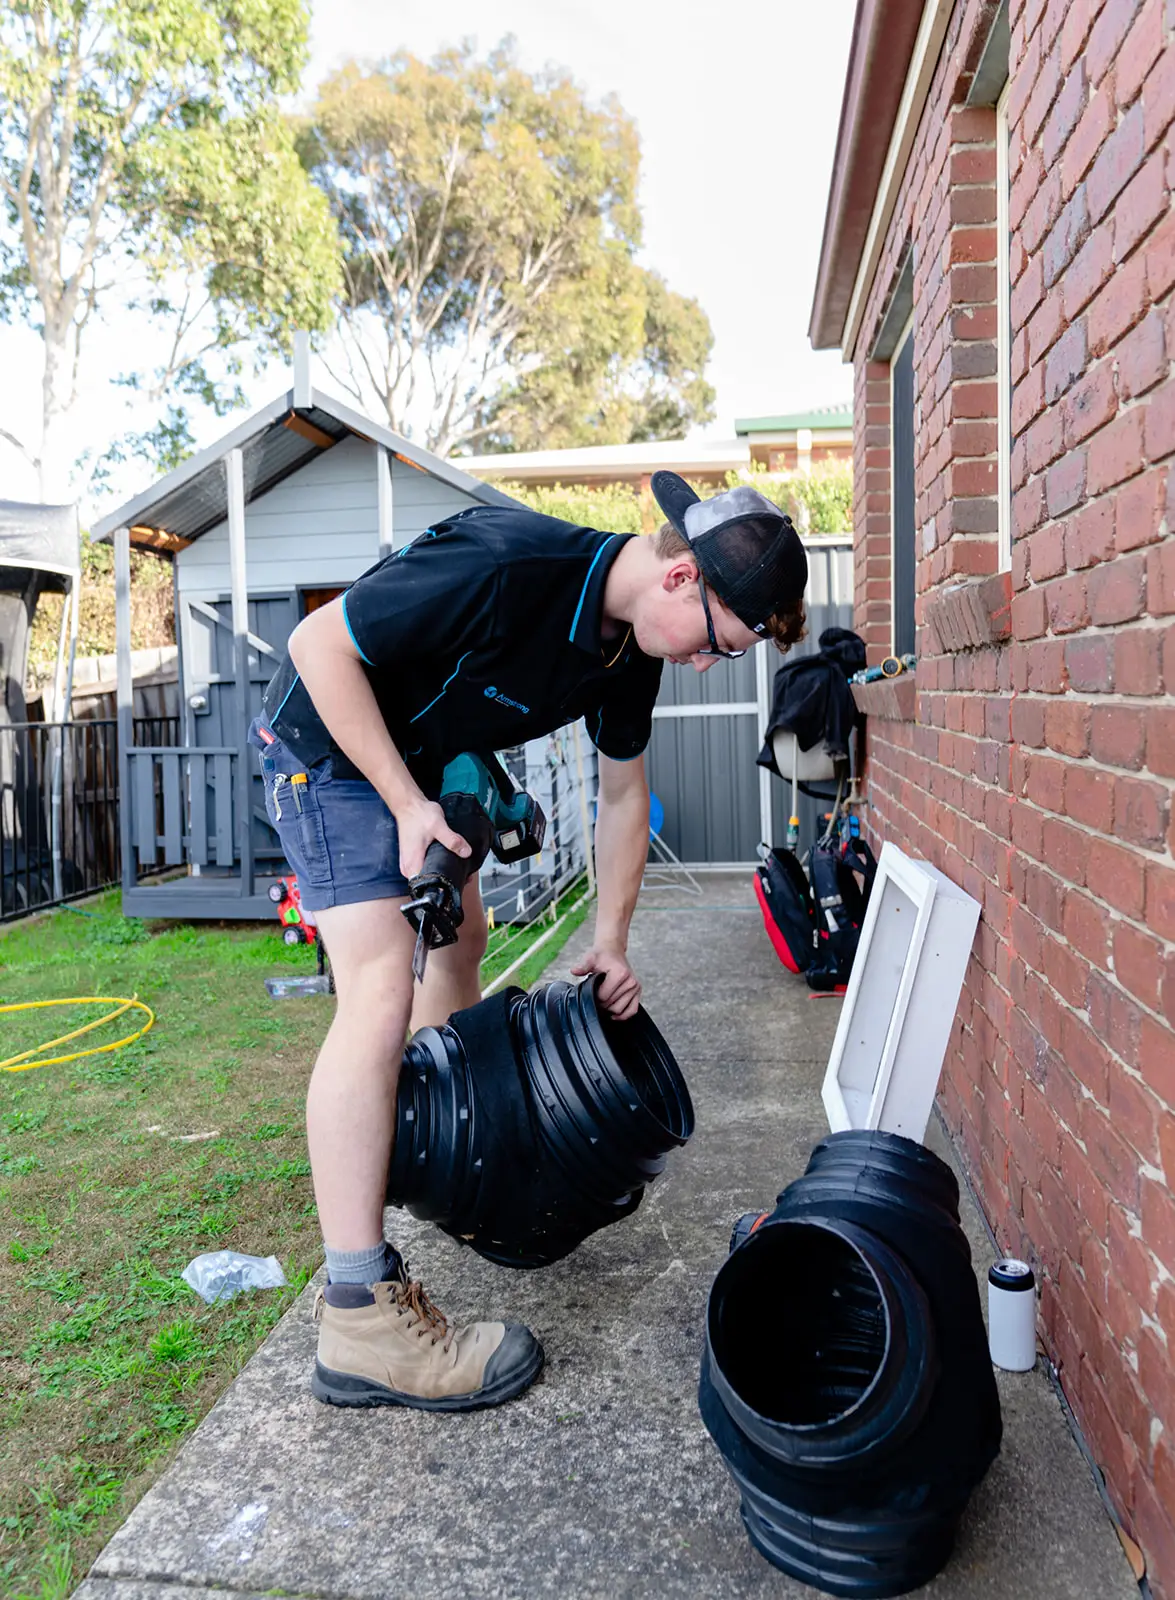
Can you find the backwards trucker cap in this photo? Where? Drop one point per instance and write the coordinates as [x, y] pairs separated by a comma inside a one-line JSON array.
[[747, 549]]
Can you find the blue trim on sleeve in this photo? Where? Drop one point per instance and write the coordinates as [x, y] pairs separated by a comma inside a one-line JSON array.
[[289, 692], [444, 686], [355, 641], [587, 580]]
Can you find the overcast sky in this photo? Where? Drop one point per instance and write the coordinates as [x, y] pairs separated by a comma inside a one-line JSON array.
[[737, 109]]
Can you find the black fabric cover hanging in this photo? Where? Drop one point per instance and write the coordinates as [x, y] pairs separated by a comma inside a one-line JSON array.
[[531, 1120], [811, 697], [845, 1376]]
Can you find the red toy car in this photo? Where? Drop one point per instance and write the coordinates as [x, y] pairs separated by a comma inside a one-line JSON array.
[[298, 926]]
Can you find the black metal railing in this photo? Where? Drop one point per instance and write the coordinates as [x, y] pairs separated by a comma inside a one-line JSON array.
[[58, 849], [58, 835]]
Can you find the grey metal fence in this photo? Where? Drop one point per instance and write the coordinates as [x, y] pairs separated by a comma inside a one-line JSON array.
[[708, 730]]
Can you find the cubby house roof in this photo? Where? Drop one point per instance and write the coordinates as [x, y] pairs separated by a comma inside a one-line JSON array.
[[275, 442]]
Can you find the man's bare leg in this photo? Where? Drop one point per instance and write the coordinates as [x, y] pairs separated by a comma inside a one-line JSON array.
[[382, 1341], [351, 1102], [452, 978]]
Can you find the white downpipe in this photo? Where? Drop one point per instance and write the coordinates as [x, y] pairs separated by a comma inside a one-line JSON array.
[[126, 699], [589, 844], [763, 708]]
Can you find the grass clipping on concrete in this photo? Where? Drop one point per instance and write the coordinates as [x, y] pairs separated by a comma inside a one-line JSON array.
[[115, 1171]]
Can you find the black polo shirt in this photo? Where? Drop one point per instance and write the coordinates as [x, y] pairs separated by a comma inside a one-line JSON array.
[[483, 633]]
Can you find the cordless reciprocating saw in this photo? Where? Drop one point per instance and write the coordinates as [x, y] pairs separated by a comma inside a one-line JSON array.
[[481, 804]]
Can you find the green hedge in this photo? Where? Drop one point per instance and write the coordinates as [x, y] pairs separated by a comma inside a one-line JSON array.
[[819, 502], [613, 508]]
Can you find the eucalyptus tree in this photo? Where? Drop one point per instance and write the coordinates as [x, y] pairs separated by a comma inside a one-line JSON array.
[[145, 167], [490, 224]]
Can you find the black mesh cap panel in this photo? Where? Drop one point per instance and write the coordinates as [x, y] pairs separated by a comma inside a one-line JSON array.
[[747, 549], [756, 565]]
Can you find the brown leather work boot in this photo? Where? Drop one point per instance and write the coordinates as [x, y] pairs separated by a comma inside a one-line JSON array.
[[387, 1345]]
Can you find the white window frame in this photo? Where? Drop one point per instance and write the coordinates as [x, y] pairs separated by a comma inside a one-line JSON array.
[[906, 333], [902, 996], [1003, 343]]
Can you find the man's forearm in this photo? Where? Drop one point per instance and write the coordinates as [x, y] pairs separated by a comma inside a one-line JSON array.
[[622, 847]]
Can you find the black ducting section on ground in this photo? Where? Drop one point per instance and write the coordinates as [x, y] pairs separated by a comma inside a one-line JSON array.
[[846, 1377], [532, 1120]]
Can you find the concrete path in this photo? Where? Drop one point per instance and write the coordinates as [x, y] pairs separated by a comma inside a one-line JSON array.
[[600, 1482]]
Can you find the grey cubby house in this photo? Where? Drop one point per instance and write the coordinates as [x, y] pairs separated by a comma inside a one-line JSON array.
[[264, 526]]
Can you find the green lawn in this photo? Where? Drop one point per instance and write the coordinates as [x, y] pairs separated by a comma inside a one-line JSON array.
[[115, 1171]]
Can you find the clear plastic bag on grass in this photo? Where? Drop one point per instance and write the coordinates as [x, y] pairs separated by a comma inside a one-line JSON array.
[[223, 1273]]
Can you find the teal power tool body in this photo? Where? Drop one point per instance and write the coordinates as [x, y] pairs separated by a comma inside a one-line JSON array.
[[490, 812]]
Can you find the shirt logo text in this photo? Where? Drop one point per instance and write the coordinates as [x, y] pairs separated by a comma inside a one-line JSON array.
[[504, 699]]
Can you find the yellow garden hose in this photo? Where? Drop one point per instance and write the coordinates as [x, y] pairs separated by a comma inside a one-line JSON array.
[[21, 1062]]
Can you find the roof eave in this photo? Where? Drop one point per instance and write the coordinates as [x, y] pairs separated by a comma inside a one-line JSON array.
[[884, 34], [600, 459], [572, 475]]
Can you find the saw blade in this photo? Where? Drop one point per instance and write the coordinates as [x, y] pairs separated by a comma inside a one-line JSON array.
[[419, 955]]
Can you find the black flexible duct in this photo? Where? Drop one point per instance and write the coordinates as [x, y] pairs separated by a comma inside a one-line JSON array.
[[531, 1120], [846, 1376]]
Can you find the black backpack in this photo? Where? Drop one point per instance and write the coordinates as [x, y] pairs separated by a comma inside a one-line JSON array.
[[839, 904], [785, 899]]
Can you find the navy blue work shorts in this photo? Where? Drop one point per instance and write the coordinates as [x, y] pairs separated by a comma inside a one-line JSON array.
[[337, 834]]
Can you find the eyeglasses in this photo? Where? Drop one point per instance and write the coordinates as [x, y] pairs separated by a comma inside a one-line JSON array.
[[714, 650]]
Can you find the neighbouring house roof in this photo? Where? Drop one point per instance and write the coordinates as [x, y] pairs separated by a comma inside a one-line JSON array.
[[884, 34], [275, 442], [833, 417], [608, 461]]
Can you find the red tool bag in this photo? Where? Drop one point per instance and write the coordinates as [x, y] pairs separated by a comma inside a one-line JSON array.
[[814, 927], [785, 899]]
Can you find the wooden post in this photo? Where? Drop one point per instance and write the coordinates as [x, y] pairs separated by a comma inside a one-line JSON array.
[[303, 394], [126, 700], [383, 486], [58, 715], [235, 487]]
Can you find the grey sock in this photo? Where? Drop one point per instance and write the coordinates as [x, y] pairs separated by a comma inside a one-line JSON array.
[[360, 1266]]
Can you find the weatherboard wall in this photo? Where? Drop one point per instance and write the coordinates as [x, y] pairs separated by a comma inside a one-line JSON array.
[[320, 526]]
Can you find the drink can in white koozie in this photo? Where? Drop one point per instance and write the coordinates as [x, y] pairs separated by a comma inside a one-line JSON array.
[[1011, 1315]]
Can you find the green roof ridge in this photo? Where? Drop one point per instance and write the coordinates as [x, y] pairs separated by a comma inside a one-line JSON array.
[[822, 417]]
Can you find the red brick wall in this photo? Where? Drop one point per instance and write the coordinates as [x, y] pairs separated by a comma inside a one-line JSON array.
[[1038, 772]]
